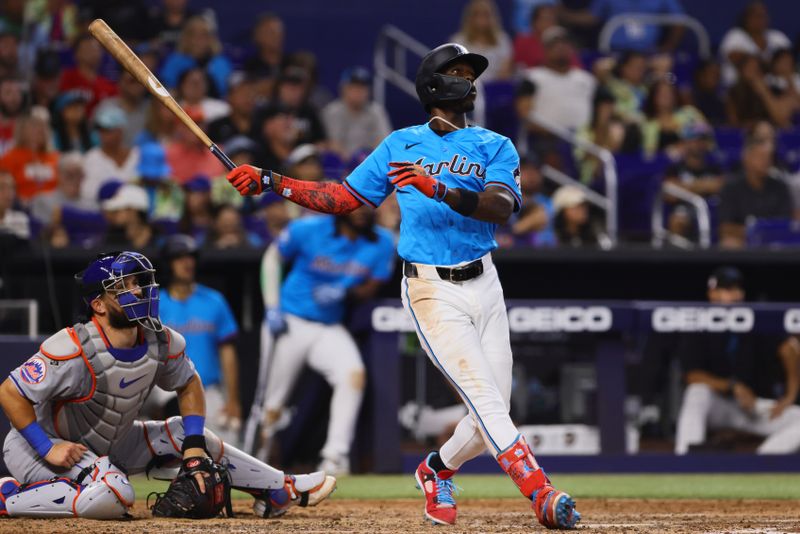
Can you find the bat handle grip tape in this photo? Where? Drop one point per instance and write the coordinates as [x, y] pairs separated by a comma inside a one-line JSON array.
[[230, 165]]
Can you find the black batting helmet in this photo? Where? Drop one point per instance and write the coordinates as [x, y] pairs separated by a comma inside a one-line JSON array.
[[434, 87]]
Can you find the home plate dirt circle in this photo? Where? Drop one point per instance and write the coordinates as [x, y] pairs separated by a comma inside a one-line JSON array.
[[475, 515]]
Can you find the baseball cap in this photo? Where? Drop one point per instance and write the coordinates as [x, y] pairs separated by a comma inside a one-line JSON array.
[[70, 97], [199, 183], [110, 117], [153, 161], [180, 245], [568, 196], [238, 144], [726, 277], [356, 75], [108, 189], [294, 74], [128, 196], [301, 153]]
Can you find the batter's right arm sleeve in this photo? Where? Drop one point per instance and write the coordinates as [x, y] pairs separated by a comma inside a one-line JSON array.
[[369, 182]]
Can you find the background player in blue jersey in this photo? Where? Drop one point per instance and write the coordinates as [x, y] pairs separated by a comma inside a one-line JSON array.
[[333, 259], [454, 184], [202, 315]]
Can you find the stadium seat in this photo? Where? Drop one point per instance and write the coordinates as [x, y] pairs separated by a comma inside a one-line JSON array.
[[500, 114], [638, 182], [729, 145]]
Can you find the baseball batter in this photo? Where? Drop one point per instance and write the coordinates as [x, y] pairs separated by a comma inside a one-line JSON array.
[[334, 259], [73, 408], [454, 184]]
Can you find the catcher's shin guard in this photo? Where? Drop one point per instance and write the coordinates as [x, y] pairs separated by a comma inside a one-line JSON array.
[[553, 508], [300, 490]]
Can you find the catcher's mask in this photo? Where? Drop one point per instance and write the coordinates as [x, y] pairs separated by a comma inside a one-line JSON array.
[[130, 278]]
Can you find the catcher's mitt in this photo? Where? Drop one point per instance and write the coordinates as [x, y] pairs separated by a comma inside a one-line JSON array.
[[183, 497]]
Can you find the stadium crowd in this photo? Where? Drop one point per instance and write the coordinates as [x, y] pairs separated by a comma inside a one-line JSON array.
[[87, 159]]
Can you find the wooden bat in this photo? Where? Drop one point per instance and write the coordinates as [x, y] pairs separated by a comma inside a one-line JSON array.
[[131, 62]]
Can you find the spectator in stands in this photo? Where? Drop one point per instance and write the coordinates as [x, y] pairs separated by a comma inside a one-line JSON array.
[[291, 93], [277, 135], [198, 215], [353, 122], [784, 82], [242, 103], [12, 16], [606, 130], [274, 213], [627, 86], [199, 46], [528, 47], [750, 100], [633, 35], [563, 93], [85, 75], [204, 318], [70, 124], [46, 78], [129, 18], [241, 149], [731, 381], [51, 23], [112, 159], [304, 164], [228, 230], [192, 93], [132, 100], [314, 93], [11, 108], [165, 197], [573, 225], [188, 156], [706, 94], [12, 222], [167, 20], [159, 124], [46, 207], [665, 119], [751, 36], [128, 227], [9, 53], [482, 33], [752, 194], [534, 223], [32, 161], [268, 39], [695, 172]]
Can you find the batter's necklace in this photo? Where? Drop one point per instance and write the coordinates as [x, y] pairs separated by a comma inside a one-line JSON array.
[[437, 117]]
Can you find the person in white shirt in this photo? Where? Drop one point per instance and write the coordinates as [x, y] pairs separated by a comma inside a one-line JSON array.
[[113, 158], [12, 221], [353, 122], [751, 36], [563, 93]]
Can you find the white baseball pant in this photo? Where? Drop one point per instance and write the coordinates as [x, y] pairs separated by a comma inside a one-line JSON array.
[[703, 408], [463, 327], [328, 350]]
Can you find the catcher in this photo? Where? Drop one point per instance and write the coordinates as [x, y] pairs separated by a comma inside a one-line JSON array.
[[73, 408]]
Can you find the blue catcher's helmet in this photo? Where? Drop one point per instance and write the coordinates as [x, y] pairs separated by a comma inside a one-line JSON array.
[[130, 277]]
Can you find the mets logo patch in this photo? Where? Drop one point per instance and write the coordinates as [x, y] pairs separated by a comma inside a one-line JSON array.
[[34, 370]]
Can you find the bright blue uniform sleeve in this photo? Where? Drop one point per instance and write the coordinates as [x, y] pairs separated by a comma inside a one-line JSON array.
[[225, 322], [369, 182], [290, 241], [384, 261], [503, 171]]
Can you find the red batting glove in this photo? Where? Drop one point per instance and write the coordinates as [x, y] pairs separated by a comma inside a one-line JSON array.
[[249, 180], [406, 173]]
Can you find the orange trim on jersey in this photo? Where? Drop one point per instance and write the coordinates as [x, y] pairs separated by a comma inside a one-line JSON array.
[[169, 435], [181, 353], [102, 334], [119, 497], [147, 440], [75, 354], [88, 396]]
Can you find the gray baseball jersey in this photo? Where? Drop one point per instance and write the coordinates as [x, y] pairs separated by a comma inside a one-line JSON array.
[[88, 392]]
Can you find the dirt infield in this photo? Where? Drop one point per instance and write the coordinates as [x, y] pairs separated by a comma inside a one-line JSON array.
[[496, 515]]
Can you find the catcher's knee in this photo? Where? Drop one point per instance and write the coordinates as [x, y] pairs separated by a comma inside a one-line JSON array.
[[108, 497]]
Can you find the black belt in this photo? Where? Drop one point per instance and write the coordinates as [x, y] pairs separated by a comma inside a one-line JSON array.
[[456, 274]]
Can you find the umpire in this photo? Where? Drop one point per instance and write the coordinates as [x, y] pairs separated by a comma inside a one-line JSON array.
[[732, 380]]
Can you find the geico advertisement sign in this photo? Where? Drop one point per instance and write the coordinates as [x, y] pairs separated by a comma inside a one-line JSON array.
[[712, 319], [560, 319], [791, 321], [521, 319]]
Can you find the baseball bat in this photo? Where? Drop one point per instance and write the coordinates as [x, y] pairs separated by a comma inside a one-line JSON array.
[[131, 62]]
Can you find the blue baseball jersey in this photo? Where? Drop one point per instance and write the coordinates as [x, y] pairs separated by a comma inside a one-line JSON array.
[[327, 264], [431, 232], [206, 321]]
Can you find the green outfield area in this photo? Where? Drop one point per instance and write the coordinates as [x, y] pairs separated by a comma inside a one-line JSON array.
[[641, 486]]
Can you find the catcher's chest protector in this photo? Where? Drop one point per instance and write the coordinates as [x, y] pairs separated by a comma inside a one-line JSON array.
[[119, 391]]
